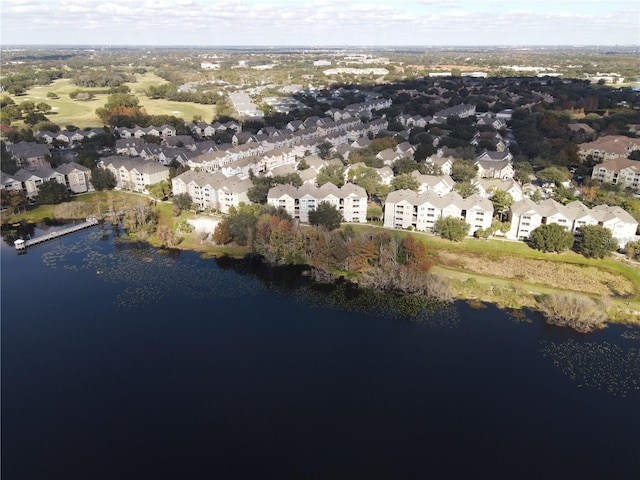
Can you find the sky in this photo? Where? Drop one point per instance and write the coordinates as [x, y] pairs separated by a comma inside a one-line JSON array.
[[320, 22]]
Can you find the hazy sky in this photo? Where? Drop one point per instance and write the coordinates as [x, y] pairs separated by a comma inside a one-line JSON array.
[[320, 22]]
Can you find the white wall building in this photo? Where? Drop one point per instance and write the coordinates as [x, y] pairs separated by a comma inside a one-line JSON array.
[[350, 200], [406, 208]]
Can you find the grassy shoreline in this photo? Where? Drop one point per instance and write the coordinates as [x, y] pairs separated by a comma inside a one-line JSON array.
[[479, 270]]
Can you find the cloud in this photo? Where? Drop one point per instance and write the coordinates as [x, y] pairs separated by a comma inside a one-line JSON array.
[[286, 21]]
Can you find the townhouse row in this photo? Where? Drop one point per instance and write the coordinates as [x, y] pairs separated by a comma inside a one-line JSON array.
[[526, 215], [350, 200], [407, 209], [76, 177]]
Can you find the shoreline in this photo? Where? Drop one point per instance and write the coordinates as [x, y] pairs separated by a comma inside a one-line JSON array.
[[468, 286]]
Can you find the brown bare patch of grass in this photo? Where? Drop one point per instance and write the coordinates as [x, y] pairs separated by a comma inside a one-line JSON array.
[[581, 278]]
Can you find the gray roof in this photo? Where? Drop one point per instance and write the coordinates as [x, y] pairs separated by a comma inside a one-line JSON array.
[[26, 150], [67, 168], [348, 189]]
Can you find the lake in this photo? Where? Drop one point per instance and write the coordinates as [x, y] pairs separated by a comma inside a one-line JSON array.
[[121, 361]]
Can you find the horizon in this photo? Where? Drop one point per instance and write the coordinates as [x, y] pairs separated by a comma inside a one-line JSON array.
[[321, 23], [320, 47]]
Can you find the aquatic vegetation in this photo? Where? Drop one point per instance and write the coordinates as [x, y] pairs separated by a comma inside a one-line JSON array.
[[146, 273], [601, 365], [631, 334]]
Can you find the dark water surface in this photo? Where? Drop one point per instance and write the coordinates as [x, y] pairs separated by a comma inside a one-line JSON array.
[[123, 363]]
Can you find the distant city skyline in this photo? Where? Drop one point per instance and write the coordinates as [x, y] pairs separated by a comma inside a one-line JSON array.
[[320, 22]]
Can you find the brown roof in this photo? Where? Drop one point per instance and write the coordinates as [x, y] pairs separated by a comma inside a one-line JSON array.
[[617, 144]]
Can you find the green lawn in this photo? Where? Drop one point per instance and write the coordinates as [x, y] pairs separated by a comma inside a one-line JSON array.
[[82, 114]]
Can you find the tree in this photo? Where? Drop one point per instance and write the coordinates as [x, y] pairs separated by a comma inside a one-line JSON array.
[[260, 189], [302, 165], [221, 235], [13, 199], [501, 202], [331, 173], [382, 143], [44, 107], [52, 193], [121, 109], [326, 215], [35, 117], [555, 175], [430, 168], [159, 190], [416, 255], [182, 201], [595, 241], [465, 189], [424, 150], [536, 196], [367, 178], [405, 181], [551, 237], [463, 170], [242, 226], [632, 250], [374, 212], [103, 179], [451, 228], [523, 171], [405, 165], [324, 149]]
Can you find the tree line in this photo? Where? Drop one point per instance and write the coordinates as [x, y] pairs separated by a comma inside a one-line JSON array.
[[379, 260]]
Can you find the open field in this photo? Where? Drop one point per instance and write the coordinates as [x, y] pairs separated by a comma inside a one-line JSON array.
[[82, 114]]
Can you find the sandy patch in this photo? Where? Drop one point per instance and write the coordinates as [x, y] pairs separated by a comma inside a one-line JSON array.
[[207, 225]]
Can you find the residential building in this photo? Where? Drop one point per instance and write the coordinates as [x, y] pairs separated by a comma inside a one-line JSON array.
[[77, 177], [609, 147], [495, 169], [29, 154], [526, 215], [31, 179], [408, 209], [135, 174], [488, 186], [461, 111], [350, 200], [440, 184], [618, 171]]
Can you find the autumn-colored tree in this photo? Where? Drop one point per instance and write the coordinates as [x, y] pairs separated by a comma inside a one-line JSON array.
[[380, 144], [417, 255], [590, 193], [221, 235], [363, 253]]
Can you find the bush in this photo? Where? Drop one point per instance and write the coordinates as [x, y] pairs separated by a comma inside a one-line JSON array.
[[451, 228], [578, 312], [596, 241], [551, 238]]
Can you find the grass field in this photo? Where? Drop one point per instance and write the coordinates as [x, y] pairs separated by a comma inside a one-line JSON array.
[[82, 114]]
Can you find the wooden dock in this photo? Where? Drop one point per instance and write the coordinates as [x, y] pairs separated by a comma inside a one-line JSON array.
[[23, 244]]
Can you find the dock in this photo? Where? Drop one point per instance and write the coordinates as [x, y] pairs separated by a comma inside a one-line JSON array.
[[23, 244]]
